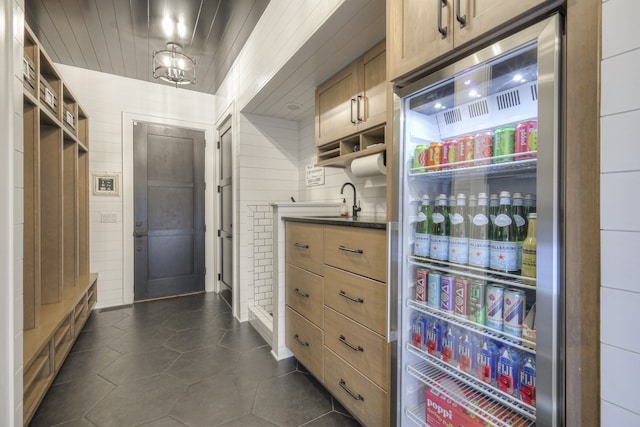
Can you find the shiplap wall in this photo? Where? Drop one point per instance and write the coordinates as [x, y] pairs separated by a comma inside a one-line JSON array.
[[105, 97], [620, 178]]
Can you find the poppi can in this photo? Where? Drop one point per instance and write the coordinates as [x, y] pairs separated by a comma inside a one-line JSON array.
[[504, 141], [477, 302], [483, 148], [420, 158], [434, 156], [447, 293], [526, 139], [461, 303], [495, 306], [514, 304], [465, 150], [433, 289], [449, 153], [421, 284]]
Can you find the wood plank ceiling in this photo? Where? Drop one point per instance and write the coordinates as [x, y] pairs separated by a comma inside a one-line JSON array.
[[119, 36]]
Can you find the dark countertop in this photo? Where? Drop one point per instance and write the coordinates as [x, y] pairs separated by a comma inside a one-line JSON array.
[[379, 222]]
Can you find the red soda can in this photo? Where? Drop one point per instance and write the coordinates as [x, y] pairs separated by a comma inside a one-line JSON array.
[[421, 284], [434, 156], [526, 139], [483, 147], [465, 150], [449, 153], [461, 303]]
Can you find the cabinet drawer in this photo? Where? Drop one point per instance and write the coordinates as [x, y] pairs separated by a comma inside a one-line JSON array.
[[359, 250], [304, 246], [361, 299], [304, 293], [304, 339], [366, 401], [362, 348]]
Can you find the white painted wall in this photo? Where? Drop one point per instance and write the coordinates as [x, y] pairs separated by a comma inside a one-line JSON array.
[[619, 201], [110, 102]]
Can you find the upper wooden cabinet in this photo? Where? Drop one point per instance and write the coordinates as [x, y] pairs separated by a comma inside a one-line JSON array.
[[419, 31], [354, 99]]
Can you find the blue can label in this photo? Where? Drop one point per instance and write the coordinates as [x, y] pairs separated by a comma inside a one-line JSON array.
[[447, 293], [433, 289], [514, 303]]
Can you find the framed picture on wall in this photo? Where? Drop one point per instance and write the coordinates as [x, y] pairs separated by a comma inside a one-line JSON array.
[[106, 184]]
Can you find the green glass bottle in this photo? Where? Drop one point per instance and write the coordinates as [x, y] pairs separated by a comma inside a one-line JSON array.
[[504, 246], [422, 240]]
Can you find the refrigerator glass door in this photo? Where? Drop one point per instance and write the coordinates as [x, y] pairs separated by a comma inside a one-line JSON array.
[[479, 187]]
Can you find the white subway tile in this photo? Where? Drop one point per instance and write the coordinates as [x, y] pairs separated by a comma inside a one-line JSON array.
[[617, 376], [612, 415], [619, 146], [618, 268], [617, 94], [615, 192], [618, 18], [616, 307]]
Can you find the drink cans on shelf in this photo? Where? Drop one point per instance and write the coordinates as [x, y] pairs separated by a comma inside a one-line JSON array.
[[477, 302], [447, 293], [420, 158], [421, 284], [504, 144], [433, 289], [461, 304], [526, 139], [465, 150], [449, 153], [434, 156], [514, 306], [495, 306], [483, 147]]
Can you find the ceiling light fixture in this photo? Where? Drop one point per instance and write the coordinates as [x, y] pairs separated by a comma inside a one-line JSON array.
[[173, 66]]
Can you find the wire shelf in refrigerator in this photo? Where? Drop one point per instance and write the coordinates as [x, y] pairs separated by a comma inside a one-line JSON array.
[[468, 169], [417, 415], [495, 334], [474, 272], [471, 394]]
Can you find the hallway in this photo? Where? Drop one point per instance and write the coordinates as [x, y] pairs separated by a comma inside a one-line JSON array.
[[181, 362]]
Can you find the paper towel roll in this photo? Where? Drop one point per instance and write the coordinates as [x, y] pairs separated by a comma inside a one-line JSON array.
[[368, 166]]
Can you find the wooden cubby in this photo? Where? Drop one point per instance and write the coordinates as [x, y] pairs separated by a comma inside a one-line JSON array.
[[59, 291], [341, 153]]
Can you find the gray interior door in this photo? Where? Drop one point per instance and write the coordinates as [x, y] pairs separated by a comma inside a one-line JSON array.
[[226, 211], [169, 211]]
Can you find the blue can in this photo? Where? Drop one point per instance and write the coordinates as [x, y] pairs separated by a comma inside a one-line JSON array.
[[433, 289]]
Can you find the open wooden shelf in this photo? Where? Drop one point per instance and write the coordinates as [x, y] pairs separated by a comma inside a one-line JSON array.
[[341, 153], [59, 292]]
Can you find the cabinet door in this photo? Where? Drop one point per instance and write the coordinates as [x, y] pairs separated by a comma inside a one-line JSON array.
[[372, 99], [336, 106], [481, 16], [413, 35]]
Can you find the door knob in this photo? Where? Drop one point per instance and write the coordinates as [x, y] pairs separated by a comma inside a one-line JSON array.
[[136, 234]]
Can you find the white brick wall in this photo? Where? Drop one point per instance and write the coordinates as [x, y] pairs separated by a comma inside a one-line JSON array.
[[620, 229]]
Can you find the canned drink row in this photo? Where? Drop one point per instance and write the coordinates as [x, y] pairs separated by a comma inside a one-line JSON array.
[[492, 305], [505, 144], [500, 365]]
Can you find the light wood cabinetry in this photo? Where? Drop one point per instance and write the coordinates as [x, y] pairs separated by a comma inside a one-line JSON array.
[[419, 31], [349, 321], [58, 290], [351, 110]]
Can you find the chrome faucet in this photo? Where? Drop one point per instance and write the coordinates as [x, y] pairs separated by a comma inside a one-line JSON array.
[[355, 207]]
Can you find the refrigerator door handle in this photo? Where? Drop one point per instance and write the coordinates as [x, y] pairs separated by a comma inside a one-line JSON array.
[[392, 281]]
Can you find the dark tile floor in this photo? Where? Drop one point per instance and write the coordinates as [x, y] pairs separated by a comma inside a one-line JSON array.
[[182, 362]]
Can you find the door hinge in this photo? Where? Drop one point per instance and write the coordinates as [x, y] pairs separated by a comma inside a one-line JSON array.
[[218, 144], [219, 188], [219, 276], [218, 233]]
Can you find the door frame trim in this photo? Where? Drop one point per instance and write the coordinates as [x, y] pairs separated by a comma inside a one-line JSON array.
[[128, 203]]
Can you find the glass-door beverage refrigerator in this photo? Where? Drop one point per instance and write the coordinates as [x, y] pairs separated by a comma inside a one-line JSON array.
[[477, 152]]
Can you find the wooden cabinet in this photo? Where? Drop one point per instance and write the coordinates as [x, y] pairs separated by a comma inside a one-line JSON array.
[[420, 31], [341, 339], [58, 290], [354, 99]]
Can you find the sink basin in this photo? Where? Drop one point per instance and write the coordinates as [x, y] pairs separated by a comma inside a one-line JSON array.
[[330, 216]]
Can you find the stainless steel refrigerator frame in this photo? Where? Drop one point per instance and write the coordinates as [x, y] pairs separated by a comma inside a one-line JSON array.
[[548, 34]]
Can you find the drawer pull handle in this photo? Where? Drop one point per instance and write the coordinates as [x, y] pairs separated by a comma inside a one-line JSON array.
[[297, 291], [343, 384], [343, 294], [344, 341], [355, 251], [297, 338], [301, 246]]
